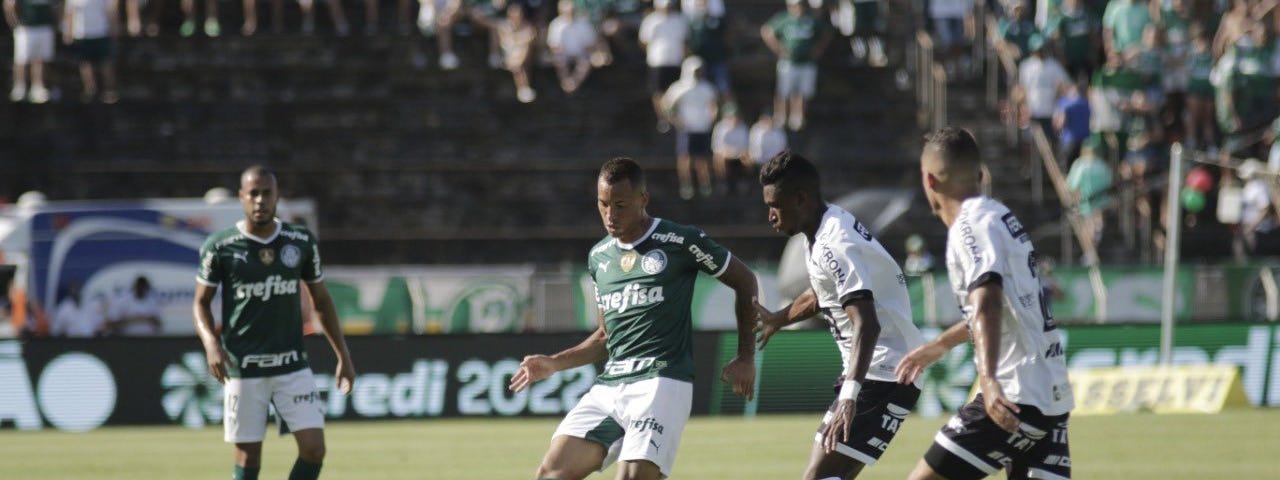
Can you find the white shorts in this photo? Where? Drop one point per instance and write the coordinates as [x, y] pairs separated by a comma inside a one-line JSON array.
[[32, 44], [796, 79], [634, 421], [246, 403]]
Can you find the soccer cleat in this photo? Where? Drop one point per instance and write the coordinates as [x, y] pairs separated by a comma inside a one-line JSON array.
[[18, 93], [188, 28]]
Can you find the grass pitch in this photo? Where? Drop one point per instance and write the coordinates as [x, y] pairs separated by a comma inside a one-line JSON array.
[[1239, 444]]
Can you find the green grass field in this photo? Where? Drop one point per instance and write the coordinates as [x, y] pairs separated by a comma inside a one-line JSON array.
[[1237, 445]]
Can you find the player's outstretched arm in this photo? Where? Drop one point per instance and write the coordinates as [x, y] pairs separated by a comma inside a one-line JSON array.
[[987, 299], [769, 323], [323, 303], [914, 364], [741, 371], [202, 312], [865, 330], [537, 367]]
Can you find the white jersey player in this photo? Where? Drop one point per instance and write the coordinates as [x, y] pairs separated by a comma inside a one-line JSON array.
[[860, 290], [987, 244], [1019, 421]]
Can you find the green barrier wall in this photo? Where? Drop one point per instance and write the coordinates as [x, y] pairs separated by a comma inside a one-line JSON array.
[[799, 367]]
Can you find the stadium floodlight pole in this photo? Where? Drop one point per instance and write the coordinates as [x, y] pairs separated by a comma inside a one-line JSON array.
[[1171, 254]]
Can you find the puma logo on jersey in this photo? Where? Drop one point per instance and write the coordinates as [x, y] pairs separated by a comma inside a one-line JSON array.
[[273, 286], [632, 295], [241, 256]]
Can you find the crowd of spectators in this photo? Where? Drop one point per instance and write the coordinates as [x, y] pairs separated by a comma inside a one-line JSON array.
[[1113, 84], [687, 45], [135, 312]]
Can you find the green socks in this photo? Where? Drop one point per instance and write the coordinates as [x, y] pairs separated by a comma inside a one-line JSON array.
[[245, 473], [303, 470]]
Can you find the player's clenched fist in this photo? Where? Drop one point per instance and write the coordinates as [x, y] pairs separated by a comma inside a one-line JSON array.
[[532, 369]]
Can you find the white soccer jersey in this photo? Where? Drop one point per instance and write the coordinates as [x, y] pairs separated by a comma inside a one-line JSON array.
[[987, 243], [845, 262]]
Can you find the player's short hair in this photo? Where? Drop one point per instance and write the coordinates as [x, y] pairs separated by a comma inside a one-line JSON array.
[[259, 171], [790, 172], [623, 168], [957, 147]]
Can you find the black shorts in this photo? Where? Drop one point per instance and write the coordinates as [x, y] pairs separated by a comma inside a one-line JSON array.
[[971, 446], [882, 407], [693, 144], [661, 78], [92, 50]]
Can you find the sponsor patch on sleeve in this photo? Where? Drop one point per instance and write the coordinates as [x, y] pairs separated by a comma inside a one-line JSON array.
[[862, 230], [1015, 227]]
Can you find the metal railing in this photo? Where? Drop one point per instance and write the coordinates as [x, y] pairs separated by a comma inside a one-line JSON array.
[[1072, 220], [931, 84]]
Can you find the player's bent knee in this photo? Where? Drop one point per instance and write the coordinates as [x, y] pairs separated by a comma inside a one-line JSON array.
[[312, 453], [311, 446], [248, 454]]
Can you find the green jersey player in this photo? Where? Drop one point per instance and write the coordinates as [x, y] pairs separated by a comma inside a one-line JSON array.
[[261, 266], [644, 273]]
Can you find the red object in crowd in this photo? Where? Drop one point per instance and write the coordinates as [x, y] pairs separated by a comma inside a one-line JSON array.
[[1200, 180]]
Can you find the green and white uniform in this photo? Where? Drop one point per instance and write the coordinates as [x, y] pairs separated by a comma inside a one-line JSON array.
[[639, 405], [261, 282]]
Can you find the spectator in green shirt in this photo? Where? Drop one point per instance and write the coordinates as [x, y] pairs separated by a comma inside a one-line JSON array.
[[1245, 91], [1090, 180], [1201, 133], [1123, 24], [1076, 34], [798, 38], [709, 40], [1016, 30]]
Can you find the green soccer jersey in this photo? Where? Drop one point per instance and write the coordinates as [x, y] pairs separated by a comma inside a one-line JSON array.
[[35, 13], [797, 35], [645, 291], [261, 306], [1075, 32]]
